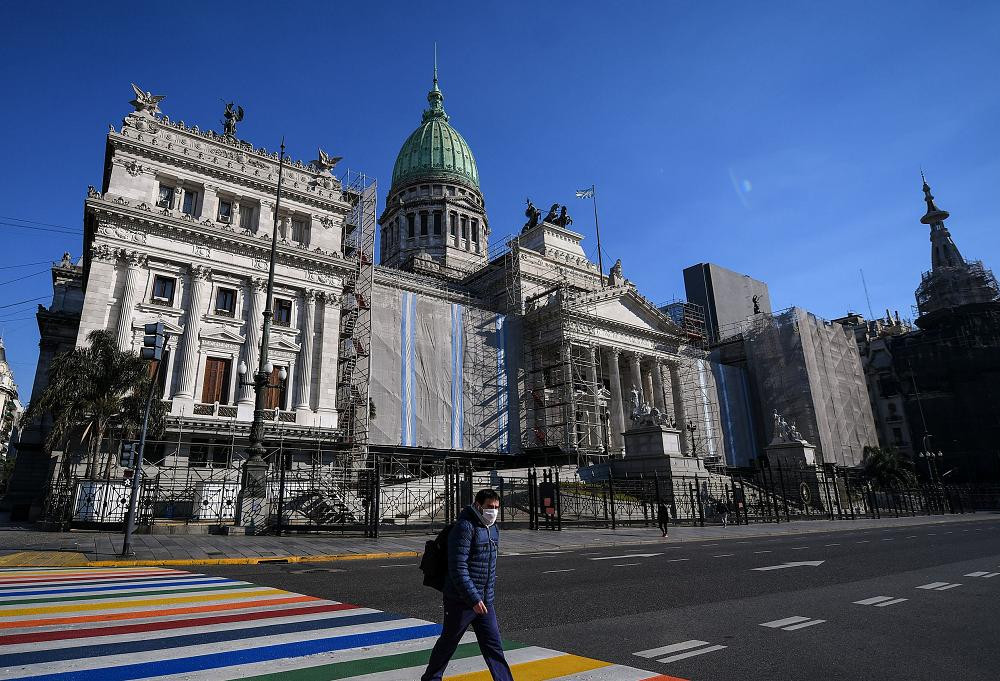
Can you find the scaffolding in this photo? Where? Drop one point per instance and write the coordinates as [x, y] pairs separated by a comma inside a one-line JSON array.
[[946, 287], [354, 371]]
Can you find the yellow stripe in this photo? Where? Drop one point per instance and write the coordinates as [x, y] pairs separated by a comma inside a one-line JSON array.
[[55, 558], [540, 670], [79, 572], [83, 607]]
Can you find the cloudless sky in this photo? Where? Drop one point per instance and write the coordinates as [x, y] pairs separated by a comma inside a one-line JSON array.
[[781, 140]]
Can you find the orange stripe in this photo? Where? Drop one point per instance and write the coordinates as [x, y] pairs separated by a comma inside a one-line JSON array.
[[81, 576], [118, 616], [662, 677]]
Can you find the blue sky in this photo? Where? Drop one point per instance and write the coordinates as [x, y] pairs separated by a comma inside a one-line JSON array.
[[779, 140]]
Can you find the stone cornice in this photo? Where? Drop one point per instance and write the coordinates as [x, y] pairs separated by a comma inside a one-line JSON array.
[[139, 221]]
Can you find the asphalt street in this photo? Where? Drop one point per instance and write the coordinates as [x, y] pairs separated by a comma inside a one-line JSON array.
[[909, 603]]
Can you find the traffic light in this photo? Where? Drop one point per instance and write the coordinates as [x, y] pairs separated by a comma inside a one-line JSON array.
[[129, 451], [153, 340]]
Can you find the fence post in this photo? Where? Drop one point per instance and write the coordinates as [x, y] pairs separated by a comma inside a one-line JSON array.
[[531, 499], [281, 486], [558, 502], [611, 493], [784, 494], [376, 497]]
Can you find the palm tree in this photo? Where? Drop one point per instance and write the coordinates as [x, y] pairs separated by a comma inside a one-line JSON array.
[[887, 468], [94, 388]]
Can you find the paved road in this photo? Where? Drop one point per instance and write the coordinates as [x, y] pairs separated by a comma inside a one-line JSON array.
[[908, 603]]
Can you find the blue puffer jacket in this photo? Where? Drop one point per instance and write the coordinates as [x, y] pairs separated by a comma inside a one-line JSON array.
[[472, 559]]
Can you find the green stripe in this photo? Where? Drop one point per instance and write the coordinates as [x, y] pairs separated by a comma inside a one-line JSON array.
[[344, 670], [124, 594]]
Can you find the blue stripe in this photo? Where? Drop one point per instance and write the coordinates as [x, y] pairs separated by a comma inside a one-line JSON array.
[[122, 580], [167, 642], [239, 657], [119, 587], [413, 371]]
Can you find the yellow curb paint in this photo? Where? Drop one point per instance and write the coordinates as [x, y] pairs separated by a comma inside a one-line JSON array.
[[43, 559], [540, 670], [114, 605], [254, 560]]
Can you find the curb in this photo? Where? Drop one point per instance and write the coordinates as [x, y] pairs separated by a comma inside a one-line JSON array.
[[256, 560]]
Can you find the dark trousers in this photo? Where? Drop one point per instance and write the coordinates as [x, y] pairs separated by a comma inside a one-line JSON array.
[[457, 618], [664, 525]]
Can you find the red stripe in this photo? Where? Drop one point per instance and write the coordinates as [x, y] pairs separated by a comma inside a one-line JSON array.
[[83, 578], [174, 624]]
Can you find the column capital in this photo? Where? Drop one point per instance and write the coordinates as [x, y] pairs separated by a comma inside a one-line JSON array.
[[200, 272], [258, 285], [615, 352], [132, 259], [311, 295]]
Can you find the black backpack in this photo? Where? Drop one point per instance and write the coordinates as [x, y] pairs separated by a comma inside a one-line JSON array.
[[434, 562]]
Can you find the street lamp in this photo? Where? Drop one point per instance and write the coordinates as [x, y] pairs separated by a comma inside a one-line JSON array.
[[931, 456], [255, 468]]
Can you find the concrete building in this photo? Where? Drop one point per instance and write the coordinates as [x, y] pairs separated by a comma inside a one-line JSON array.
[[10, 408], [727, 297]]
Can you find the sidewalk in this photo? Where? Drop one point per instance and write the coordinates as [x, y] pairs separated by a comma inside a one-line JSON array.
[[21, 546]]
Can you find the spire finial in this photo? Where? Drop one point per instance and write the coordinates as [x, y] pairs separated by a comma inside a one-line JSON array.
[[435, 64], [435, 98], [933, 214]]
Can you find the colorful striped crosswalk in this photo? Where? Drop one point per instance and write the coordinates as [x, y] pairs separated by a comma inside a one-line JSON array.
[[106, 624]]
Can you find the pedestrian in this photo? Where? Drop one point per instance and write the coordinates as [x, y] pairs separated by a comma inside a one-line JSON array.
[[473, 544], [663, 518], [724, 512]]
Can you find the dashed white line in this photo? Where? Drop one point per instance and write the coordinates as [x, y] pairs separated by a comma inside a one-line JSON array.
[[549, 572], [939, 586], [724, 555], [865, 541], [677, 560], [625, 564], [629, 555], [792, 623], [672, 648], [887, 538], [692, 653], [803, 625], [983, 574], [836, 544], [873, 600], [768, 551], [892, 602]]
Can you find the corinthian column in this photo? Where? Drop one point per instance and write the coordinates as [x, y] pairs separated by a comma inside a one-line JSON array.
[[636, 376], [680, 413], [326, 365], [594, 408], [132, 263], [251, 348], [657, 374], [617, 406], [199, 282], [304, 381]]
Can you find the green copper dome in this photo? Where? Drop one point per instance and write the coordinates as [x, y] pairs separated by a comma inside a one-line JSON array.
[[435, 148]]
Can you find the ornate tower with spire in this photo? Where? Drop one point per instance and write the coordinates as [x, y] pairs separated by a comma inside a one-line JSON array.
[[952, 281], [435, 217]]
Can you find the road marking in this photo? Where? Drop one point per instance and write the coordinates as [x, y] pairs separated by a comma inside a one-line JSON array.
[[630, 555], [768, 551], [865, 541], [549, 572], [984, 575], [724, 555], [873, 600], [395, 566], [910, 536], [931, 533], [939, 586], [801, 563], [892, 602], [681, 656], [831, 544], [707, 545], [677, 560], [887, 539], [792, 623], [672, 648], [799, 548], [625, 564]]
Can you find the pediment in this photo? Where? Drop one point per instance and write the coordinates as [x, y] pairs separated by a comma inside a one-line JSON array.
[[171, 327], [283, 343], [220, 334], [625, 306]]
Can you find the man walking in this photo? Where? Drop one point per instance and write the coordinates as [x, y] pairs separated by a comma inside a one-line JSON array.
[[473, 544], [663, 518]]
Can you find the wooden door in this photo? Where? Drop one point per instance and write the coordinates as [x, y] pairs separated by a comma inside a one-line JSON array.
[[216, 381]]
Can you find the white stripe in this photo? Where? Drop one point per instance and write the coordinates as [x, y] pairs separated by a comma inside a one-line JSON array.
[[873, 600], [169, 633], [946, 587], [617, 672], [468, 665], [123, 603], [782, 622], [932, 585], [123, 659], [803, 625], [549, 572], [681, 656], [980, 573], [672, 648], [892, 602], [144, 584], [86, 579], [630, 555]]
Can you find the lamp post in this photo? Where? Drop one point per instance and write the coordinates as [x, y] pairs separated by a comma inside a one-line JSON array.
[[255, 468], [691, 428]]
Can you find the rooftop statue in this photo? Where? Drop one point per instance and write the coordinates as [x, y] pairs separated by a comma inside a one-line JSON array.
[[553, 214], [564, 220], [325, 162], [146, 102], [756, 304], [615, 277], [533, 215], [232, 116]]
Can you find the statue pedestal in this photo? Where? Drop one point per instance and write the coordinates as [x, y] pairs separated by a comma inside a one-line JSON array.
[[800, 480], [252, 507], [794, 454], [651, 447]]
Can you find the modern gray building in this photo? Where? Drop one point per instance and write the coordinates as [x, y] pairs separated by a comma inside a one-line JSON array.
[[727, 296]]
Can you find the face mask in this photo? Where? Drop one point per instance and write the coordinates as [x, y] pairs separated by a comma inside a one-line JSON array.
[[490, 515]]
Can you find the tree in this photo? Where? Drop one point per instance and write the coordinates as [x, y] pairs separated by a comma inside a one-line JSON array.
[[887, 468], [95, 388]]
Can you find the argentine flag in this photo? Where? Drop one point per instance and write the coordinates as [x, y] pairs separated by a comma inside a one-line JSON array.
[[585, 193]]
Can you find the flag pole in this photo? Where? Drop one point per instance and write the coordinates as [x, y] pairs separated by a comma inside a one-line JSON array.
[[597, 228]]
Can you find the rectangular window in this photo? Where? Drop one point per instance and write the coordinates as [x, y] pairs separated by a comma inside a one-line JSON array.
[[475, 231], [451, 191], [437, 223], [163, 289], [198, 454], [452, 220], [465, 227], [190, 204], [275, 398], [248, 218], [155, 453], [423, 224], [437, 190], [299, 233], [225, 302], [282, 312], [216, 385], [220, 454], [165, 197], [225, 210], [410, 222]]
